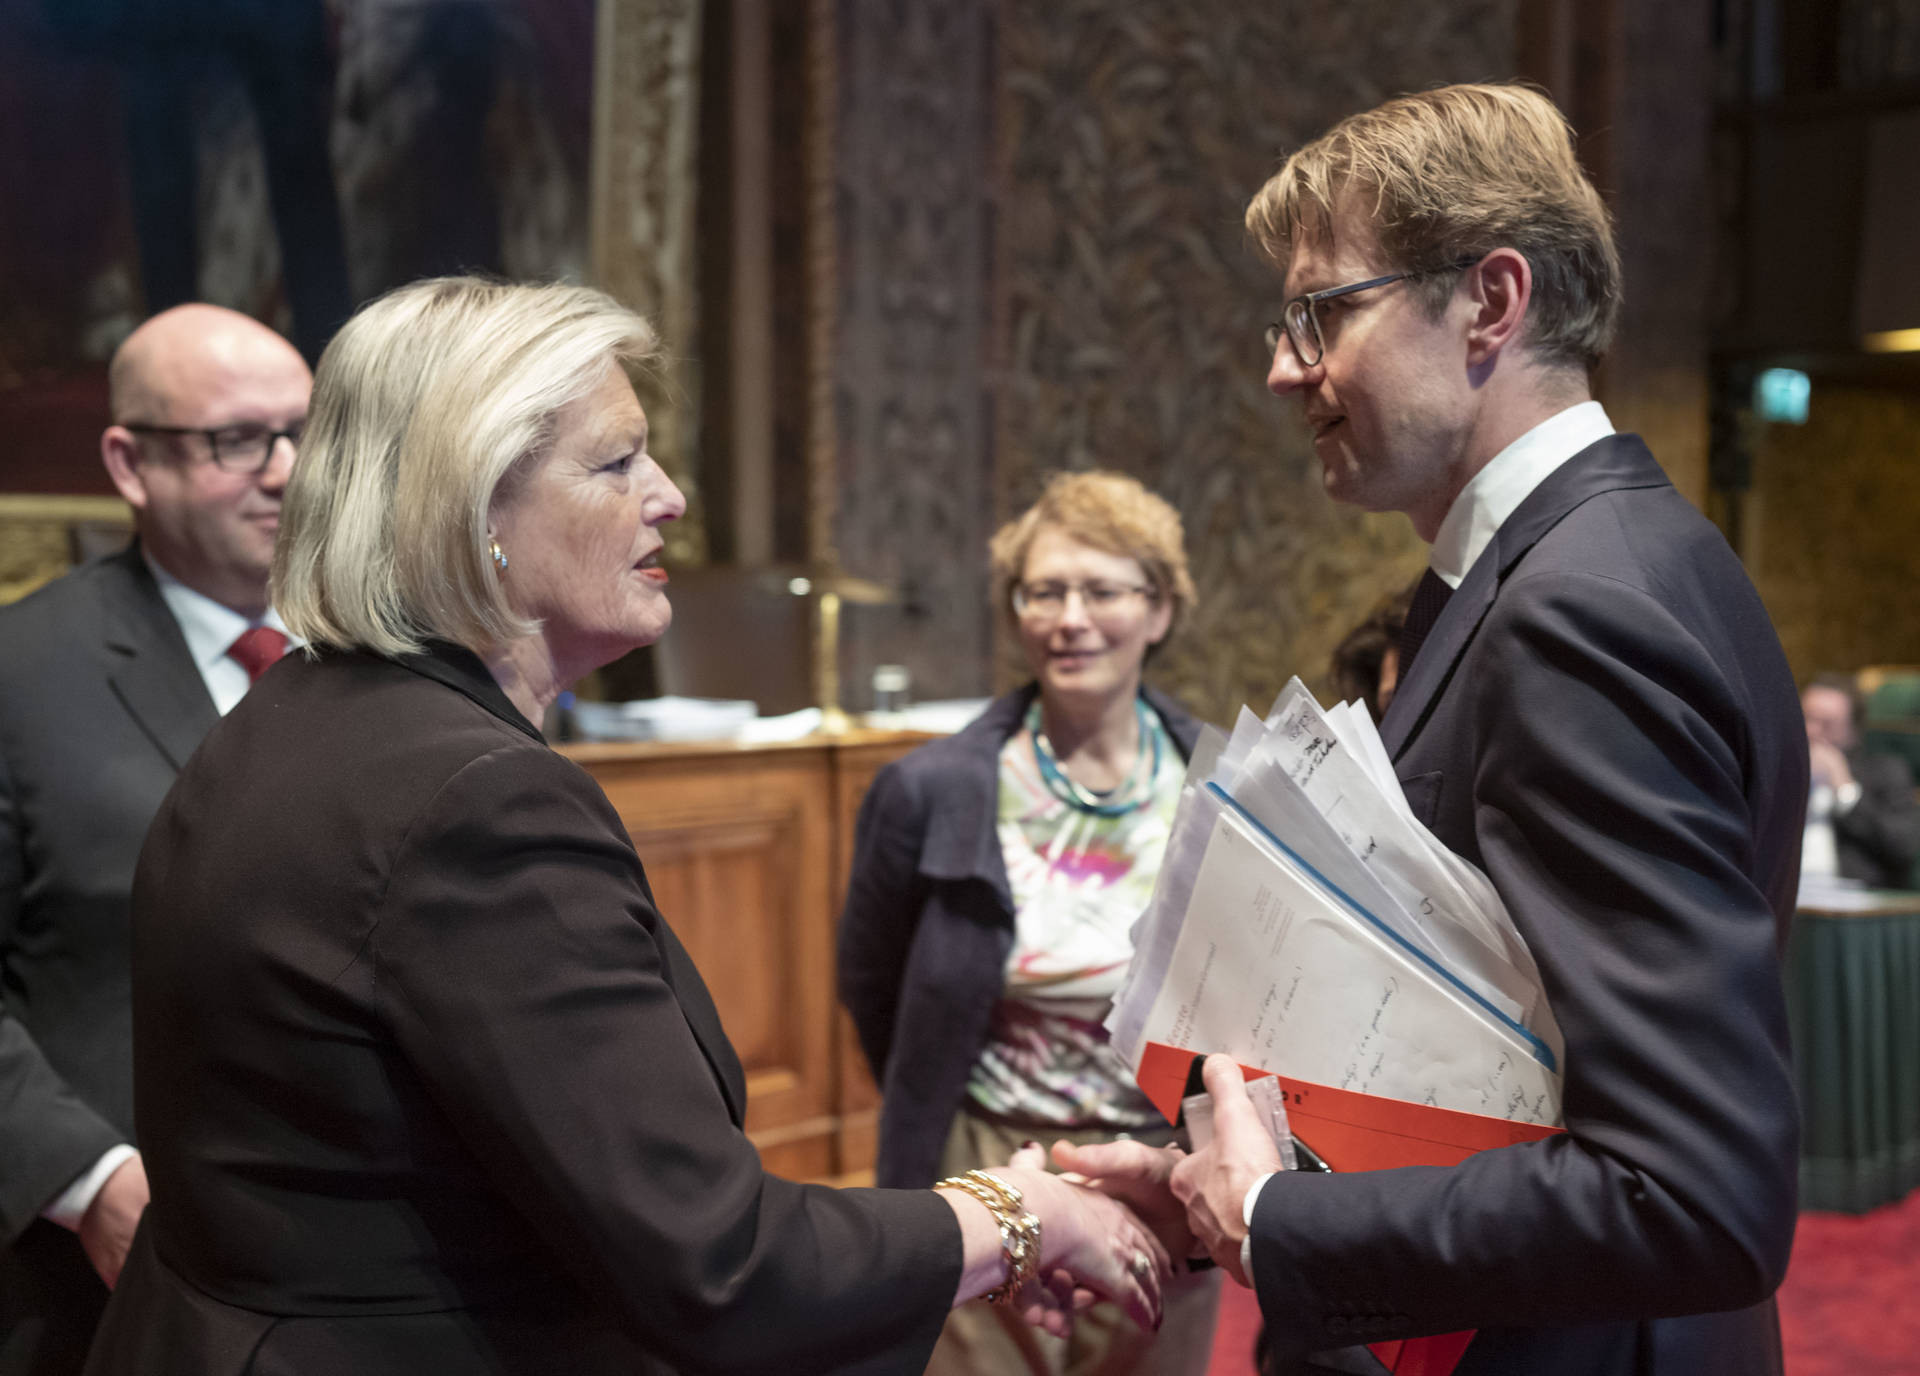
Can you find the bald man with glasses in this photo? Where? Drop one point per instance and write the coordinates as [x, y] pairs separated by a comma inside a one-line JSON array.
[[109, 677]]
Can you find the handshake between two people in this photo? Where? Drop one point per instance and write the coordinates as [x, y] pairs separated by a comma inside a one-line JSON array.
[[1125, 1214], [1194, 1203]]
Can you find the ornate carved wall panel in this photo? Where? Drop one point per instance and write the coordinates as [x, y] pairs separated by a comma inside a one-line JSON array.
[[914, 501], [643, 225], [1628, 75], [1133, 137]]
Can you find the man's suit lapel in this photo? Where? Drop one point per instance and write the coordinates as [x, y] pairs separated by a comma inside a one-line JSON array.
[[149, 665], [1614, 463]]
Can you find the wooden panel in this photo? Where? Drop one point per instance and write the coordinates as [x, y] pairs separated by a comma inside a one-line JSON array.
[[737, 850], [747, 850]]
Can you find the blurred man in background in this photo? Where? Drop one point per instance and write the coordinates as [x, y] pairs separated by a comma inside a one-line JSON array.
[[1861, 819], [109, 677]]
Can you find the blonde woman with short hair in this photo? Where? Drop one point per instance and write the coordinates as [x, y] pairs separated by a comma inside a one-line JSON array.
[[425, 1081]]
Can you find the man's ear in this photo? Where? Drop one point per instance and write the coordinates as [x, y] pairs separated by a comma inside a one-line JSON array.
[[1500, 286], [118, 454]]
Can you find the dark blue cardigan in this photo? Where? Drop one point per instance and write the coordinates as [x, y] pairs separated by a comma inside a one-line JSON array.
[[928, 924]]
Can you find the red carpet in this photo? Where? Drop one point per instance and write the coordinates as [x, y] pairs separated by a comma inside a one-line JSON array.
[[1850, 1307], [1233, 1336]]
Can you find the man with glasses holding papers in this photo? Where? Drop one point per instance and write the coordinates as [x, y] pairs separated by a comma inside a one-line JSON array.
[[1594, 711]]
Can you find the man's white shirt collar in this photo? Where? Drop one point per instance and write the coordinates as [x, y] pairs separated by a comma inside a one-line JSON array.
[[1509, 478], [210, 629]]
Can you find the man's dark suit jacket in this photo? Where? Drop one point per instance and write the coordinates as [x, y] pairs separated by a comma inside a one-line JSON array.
[[100, 706], [928, 923], [426, 1084], [1602, 720], [1877, 839]]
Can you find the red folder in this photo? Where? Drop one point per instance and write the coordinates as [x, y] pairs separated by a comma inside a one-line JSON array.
[[1363, 1132]]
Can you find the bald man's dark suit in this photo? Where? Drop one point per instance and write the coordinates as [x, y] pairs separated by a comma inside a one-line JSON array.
[[1602, 720], [100, 705]]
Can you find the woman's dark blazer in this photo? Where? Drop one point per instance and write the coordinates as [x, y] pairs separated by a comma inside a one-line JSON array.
[[426, 1085], [928, 924]]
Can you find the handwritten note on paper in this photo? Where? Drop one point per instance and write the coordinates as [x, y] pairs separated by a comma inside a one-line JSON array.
[[1457, 918], [1284, 979]]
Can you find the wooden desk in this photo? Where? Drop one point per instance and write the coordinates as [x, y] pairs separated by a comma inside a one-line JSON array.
[[1853, 999], [748, 849]]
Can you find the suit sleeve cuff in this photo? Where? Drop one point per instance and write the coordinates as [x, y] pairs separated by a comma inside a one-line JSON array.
[[71, 1204]]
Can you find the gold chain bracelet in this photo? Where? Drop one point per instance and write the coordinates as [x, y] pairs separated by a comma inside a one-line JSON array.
[[1019, 1230]]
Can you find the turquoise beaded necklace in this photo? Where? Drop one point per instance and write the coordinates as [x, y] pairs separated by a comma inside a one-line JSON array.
[[1063, 787]]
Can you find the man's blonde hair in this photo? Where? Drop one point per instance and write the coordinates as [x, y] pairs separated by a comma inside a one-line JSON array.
[[423, 405], [1111, 512], [1449, 175]]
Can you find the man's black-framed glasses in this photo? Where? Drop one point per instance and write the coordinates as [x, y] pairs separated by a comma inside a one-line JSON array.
[[1300, 322], [235, 448]]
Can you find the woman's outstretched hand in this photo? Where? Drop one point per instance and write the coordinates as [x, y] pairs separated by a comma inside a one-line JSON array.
[[1092, 1247], [1140, 1177]]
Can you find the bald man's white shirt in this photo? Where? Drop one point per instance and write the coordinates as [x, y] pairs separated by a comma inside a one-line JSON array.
[[211, 628]]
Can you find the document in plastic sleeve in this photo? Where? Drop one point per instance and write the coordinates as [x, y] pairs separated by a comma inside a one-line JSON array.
[[1284, 977]]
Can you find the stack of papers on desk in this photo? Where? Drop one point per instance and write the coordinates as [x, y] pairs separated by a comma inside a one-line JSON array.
[[662, 719], [1308, 925]]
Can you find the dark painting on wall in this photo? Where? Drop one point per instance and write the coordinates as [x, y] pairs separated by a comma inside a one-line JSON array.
[[287, 158]]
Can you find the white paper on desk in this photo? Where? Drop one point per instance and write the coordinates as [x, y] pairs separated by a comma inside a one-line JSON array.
[[1283, 978]]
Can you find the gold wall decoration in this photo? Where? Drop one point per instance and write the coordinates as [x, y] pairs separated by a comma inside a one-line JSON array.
[[38, 539], [646, 140], [1833, 529]]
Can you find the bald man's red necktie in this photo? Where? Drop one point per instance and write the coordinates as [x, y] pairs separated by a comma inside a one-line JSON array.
[[257, 649]]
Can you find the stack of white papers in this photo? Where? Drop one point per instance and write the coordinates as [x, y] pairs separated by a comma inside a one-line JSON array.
[[1306, 923], [662, 719]]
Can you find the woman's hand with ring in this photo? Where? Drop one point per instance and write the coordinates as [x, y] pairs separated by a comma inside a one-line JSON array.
[[1092, 1246]]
